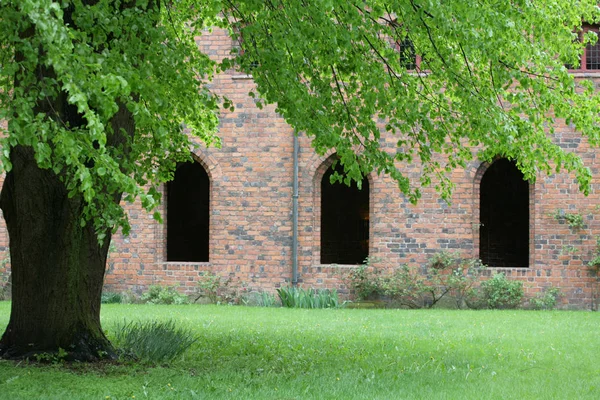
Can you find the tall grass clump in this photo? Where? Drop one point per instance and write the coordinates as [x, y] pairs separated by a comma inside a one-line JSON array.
[[111, 298], [153, 341], [293, 297], [157, 294]]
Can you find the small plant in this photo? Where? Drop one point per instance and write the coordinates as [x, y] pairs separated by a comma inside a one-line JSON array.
[[157, 294], [5, 287], [111, 298], [405, 287], [574, 220], [209, 285], [500, 292], [153, 341], [5, 278], [52, 358], [130, 297], [547, 299], [442, 260], [445, 275], [594, 263], [365, 280], [259, 299], [267, 299], [293, 297]]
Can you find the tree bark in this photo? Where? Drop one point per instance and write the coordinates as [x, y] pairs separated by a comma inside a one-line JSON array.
[[57, 267], [57, 264]]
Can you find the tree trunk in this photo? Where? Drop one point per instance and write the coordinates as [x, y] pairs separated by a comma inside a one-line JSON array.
[[57, 267]]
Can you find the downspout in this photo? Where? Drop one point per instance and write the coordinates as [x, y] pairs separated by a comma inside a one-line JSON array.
[[295, 214]]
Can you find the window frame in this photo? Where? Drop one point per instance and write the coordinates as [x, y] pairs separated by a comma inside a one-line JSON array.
[[583, 60]]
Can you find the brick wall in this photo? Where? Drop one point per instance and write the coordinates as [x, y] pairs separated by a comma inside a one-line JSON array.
[[251, 213]]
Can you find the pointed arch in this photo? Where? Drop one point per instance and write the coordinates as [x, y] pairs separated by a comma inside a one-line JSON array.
[[504, 214], [344, 216], [187, 213]]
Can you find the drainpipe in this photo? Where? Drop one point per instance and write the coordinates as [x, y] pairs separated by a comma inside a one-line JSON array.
[[295, 214]]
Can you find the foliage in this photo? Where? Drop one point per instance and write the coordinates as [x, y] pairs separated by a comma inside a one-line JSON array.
[[365, 280], [267, 299], [446, 274], [157, 294], [260, 299], [594, 263], [221, 290], [547, 299], [480, 59], [499, 292], [153, 341], [111, 298], [209, 285], [574, 220], [442, 260], [5, 278], [405, 286], [102, 94], [490, 64], [295, 297], [52, 358], [98, 63]]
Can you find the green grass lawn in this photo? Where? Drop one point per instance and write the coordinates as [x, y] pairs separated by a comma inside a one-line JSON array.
[[262, 353]]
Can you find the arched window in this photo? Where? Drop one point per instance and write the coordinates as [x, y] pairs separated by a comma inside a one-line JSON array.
[[504, 216], [344, 221], [188, 213]]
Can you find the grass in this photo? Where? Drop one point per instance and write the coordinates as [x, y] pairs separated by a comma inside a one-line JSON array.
[[279, 353]]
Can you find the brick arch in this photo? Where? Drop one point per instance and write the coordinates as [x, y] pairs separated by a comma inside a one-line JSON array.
[[213, 170], [320, 166], [480, 171], [211, 166]]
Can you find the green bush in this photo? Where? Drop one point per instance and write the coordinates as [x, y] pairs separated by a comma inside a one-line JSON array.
[[445, 275], [294, 297], [499, 292], [157, 294], [365, 280], [209, 285], [547, 299], [153, 341], [405, 287], [111, 298]]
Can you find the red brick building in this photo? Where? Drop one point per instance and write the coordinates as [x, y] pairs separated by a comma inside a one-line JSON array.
[[232, 213]]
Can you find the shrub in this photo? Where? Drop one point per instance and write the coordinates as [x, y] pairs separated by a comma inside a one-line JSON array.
[[209, 285], [499, 292], [405, 287], [157, 294], [153, 341], [111, 298], [445, 275], [294, 297], [547, 299], [365, 280]]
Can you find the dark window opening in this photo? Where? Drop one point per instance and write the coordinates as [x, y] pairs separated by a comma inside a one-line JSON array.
[[504, 216], [344, 221], [188, 214], [408, 56]]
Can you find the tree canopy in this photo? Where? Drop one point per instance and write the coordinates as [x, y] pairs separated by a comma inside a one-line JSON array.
[[492, 76], [101, 96]]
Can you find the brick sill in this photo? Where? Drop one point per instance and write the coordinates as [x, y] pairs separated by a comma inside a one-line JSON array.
[[184, 263], [583, 74]]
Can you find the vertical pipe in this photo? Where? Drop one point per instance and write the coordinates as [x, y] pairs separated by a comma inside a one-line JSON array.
[[295, 214]]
